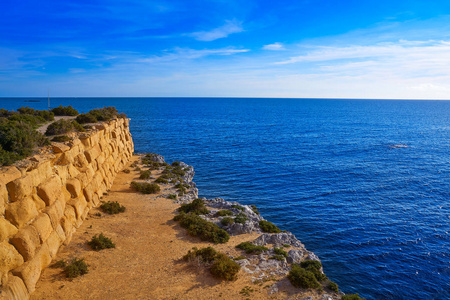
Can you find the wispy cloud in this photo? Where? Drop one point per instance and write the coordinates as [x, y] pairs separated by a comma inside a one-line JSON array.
[[228, 28], [189, 54], [274, 47]]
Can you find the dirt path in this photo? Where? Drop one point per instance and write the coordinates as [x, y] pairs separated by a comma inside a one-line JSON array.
[[146, 261], [43, 128]]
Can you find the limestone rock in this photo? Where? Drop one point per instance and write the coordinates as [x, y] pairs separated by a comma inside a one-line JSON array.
[[21, 212], [7, 230], [20, 188], [14, 289], [60, 147], [9, 259], [8, 174], [50, 190], [26, 241], [43, 226], [294, 256], [278, 239], [74, 187]]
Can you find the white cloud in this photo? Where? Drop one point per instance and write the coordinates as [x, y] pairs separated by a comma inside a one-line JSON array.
[[274, 47], [189, 54], [221, 32]]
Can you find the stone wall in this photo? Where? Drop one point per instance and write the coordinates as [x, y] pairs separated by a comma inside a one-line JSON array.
[[45, 198]]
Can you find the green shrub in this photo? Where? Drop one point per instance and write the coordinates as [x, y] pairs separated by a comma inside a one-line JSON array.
[[240, 218], [279, 251], [225, 268], [206, 231], [61, 138], [197, 207], [145, 174], [255, 209], [172, 196], [278, 257], [176, 164], [112, 208], [75, 268], [77, 126], [161, 180], [86, 118], [302, 278], [59, 264], [105, 113], [101, 242], [17, 140], [269, 227], [314, 267], [238, 207], [227, 221], [59, 127], [333, 286], [32, 120], [146, 188], [250, 248], [64, 111], [205, 255], [351, 297], [223, 213], [239, 257], [221, 266]]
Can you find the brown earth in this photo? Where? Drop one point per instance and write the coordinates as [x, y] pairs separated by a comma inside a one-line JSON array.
[[146, 263]]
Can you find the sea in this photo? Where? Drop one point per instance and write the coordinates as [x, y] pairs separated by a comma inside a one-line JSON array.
[[364, 184]]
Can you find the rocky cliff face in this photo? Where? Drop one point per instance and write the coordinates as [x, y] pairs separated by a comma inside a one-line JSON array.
[[45, 198]]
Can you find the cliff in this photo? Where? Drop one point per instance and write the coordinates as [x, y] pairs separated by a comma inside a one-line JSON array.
[[45, 198]]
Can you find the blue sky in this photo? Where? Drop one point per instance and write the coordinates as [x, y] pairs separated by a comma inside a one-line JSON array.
[[226, 48]]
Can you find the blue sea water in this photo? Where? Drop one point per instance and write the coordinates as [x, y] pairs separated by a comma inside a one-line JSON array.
[[364, 184]]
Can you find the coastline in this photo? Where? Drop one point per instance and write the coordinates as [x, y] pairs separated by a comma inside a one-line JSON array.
[[147, 260]]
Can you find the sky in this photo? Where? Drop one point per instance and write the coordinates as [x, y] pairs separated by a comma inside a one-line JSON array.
[[394, 49]]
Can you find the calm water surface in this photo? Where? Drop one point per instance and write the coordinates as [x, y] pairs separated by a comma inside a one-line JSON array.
[[365, 184]]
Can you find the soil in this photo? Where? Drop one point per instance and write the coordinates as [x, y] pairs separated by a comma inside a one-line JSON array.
[[146, 262]]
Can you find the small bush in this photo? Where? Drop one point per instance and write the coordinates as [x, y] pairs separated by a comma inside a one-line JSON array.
[[86, 118], [112, 208], [146, 188], [101, 242], [250, 248], [239, 257], [269, 227], [206, 231], [59, 264], [77, 126], [75, 268], [145, 174], [238, 207], [205, 255], [279, 251], [227, 221], [278, 257], [61, 138], [59, 127], [161, 180], [172, 196], [255, 209], [314, 267], [64, 111], [333, 286], [223, 213], [225, 268], [240, 218], [351, 297], [302, 278], [176, 164], [197, 207]]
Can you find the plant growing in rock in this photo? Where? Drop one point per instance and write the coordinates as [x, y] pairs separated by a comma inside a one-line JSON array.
[[238, 207], [101, 242], [224, 212], [61, 138], [240, 218], [269, 227], [172, 196], [112, 208], [250, 248], [280, 254], [302, 278], [197, 207], [314, 267], [161, 180], [227, 221], [255, 209], [352, 297], [206, 231], [333, 286], [75, 268]]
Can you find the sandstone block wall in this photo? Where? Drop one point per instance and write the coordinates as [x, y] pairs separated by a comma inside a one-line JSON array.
[[45, 198]]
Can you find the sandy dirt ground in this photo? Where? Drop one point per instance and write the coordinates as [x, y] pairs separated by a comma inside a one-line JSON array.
[[146, 263]]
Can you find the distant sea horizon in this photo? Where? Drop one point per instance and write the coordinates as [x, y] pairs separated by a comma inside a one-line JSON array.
[[363, 183]]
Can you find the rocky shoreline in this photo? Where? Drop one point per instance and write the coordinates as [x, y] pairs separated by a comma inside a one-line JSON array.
[[262, 267]]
